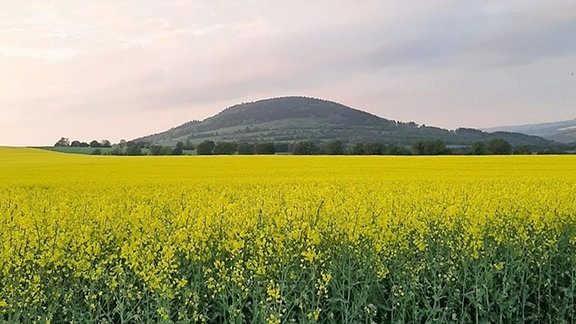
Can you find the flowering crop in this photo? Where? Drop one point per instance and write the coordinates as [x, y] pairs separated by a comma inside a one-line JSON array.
[[286, 239]]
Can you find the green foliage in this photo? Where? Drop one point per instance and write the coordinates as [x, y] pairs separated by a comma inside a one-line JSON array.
[[133, 148], [373, 149], [334, 148], [305, 148], [62, 142], [224, 148], [106, 143], [95, 144], [159, 150], [179, 149], [498, 146], [357, 149], [397, 150], [478, 148], [265, 148], [433, 147], [245, 149], [205, 148]]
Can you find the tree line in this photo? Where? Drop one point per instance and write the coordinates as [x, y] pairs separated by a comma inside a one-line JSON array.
[[337, 147], [496, 146]]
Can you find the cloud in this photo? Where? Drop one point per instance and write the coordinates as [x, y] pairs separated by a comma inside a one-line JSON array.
[[449, 63]]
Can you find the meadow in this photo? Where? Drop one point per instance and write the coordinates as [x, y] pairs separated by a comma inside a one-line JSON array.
[[286, 239]]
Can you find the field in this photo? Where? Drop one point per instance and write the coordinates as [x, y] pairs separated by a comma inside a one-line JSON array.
[[282, 239]]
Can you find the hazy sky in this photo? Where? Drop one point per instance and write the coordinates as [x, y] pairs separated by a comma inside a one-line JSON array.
[[120, 69]]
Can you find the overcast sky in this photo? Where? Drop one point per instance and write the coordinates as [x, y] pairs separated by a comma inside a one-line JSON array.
[[121, 69]]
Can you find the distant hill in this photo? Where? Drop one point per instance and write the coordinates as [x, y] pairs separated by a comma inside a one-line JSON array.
[[562, 131], [292, 119]]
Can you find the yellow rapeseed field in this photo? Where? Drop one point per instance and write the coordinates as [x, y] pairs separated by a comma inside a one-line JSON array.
[[282, 239]]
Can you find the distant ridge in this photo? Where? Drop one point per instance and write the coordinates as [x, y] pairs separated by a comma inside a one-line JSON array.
[[561, 131], [292, 119]]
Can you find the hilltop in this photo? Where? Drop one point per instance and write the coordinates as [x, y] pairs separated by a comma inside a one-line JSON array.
[[292, 119]]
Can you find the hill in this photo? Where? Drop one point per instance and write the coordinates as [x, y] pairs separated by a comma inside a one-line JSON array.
[[562, 131], [292, 119]]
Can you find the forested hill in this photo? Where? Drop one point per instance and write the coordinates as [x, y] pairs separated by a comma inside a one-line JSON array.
[[292, 119]]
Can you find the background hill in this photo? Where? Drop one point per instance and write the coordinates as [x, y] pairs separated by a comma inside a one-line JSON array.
[[562, 131], [292, 119]]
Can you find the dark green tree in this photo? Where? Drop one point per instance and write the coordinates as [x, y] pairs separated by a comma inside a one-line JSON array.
[[105, 143], [133, 148], [63, 142], [357, 149], [179, 149], [265, 148], [334, 148], [188, 145], [498, 146], [522, 150], [305, 148], [478, 148], [433, 147], [245, 149], [373, 149], [205, 148], [95, 144], [224, 148], [396, 150], [116, 151], [156, 150]]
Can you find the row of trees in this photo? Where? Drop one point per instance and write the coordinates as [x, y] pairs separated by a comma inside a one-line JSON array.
[[65, 142], [220, 148], [336, 147], [430, 147]]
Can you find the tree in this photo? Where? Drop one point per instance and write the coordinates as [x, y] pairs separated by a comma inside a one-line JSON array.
[[75, 143], [522, 149], [105, 143], [334, 148], [188, 145], [116, 151], [397, 150], [156, 150], [373, 149], [205, 148], [224, 148], [95, 144], [478, 148], [245, 148], [357, 149], [179, 149], [133, 148], [265, 148], [498, 146], [305, 148], [63, 142], [433, 147], [96, 152]]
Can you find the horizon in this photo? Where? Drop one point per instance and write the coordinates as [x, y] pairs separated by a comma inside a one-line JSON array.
[[122, 70], [87, 140]]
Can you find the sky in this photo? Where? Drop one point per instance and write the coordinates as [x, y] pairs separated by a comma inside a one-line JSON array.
[[122, 69]]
